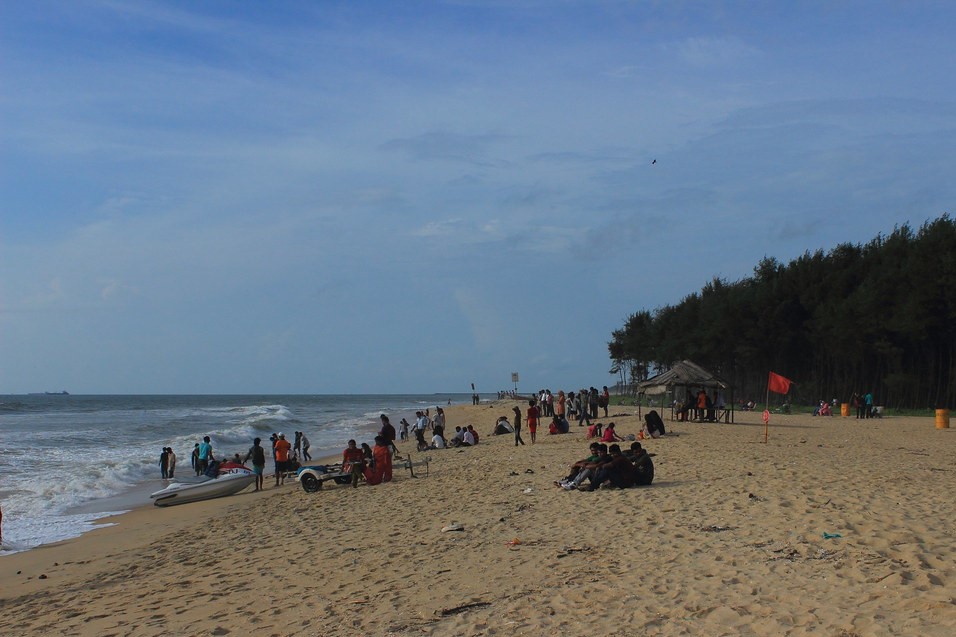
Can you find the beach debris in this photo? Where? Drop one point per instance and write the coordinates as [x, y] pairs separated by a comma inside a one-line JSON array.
[[454, 526], [568, 550], [715, 528], [445, 612], [529, 470], [514, 542], [830, 536], [528, 490], [513, 473], [42, 576]]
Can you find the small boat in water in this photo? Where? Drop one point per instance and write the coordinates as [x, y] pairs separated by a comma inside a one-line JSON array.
[[229, 479]]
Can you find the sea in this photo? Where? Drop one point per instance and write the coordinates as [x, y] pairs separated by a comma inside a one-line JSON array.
[[68, 461]]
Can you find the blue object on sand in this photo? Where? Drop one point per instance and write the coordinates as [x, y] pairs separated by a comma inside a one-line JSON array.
[[830, 536]]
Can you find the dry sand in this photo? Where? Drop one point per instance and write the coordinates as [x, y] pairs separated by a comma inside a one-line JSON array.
[[728, 541]]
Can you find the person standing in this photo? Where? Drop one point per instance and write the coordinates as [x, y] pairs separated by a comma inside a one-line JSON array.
[[297, 446], [605, 399], [164, 464], [171, 463], [518, 439], [282, 449], [388, 432], [205, 455], [258, 456], [420, 425], [532, 419], [194, 459], [305, 448], [868, 404]]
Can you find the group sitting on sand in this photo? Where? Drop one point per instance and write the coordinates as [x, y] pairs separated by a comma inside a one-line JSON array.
[[608, 467]]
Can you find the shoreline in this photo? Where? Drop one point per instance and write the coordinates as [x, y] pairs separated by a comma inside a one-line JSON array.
[[732, 529]]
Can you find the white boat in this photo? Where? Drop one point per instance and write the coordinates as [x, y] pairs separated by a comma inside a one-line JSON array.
[[231, 479]]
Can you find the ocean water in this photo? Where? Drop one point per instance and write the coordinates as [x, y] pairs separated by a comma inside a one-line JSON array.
[[67, 461]]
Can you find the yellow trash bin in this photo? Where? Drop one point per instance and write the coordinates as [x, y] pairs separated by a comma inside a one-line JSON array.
[[845, 409], [942, 419]]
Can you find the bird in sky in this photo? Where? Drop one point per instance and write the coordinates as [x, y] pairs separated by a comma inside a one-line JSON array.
[[653, 162]]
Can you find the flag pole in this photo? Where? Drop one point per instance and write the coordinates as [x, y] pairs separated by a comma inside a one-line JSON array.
[[766, 414]]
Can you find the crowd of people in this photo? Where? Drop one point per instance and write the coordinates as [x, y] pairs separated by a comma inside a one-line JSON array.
[[373, 464]]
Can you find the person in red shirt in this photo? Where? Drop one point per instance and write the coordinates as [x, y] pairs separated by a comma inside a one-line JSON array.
[[609, 434], [282, 448], [532, 417], [382, 471], [353, 461]]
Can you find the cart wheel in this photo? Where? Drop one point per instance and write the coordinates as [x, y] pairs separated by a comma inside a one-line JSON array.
[[310, 484], [343, 480]]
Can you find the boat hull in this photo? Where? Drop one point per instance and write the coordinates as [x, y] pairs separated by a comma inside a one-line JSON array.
[[185, 492]]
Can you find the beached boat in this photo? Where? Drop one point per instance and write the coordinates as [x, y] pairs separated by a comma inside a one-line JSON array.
[[231, 479]]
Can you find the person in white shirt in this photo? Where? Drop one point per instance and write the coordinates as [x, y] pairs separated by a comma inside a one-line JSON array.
[[438, 442], [420, 424], [468, 439]]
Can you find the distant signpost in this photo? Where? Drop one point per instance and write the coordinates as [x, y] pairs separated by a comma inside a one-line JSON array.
[[514, 379]]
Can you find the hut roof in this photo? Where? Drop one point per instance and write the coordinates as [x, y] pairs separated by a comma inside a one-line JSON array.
[[682, 374]]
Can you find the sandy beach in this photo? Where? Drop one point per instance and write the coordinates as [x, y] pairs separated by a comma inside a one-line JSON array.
[[728, 541]]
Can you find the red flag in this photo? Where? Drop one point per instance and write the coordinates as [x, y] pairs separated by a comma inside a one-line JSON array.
[[778, 384]]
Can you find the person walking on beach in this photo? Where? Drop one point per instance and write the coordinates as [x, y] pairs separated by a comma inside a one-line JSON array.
[[305, 447], [518, 439], [164, 464], [171, 462], [258, 456]]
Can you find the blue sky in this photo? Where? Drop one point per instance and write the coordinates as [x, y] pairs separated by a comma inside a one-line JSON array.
[[323, 197]]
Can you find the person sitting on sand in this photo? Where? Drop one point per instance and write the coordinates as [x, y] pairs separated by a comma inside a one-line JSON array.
[[468, 437], [618, 472], [502, 427], [353, 462], [581, 469], [653, 424], [458, 438], [438, 442], [594, 431], [643, 466], [610, 435], [561, 424]]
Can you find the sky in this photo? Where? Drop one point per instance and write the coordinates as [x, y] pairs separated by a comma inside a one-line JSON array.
[[410, 197]]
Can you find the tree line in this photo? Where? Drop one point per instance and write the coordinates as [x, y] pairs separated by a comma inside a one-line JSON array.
[[877, 317]]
